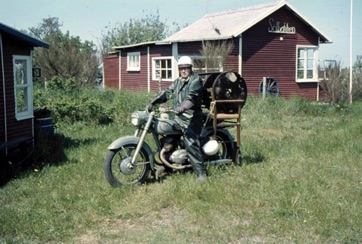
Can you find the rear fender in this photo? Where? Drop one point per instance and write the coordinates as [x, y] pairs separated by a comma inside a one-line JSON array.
[[133, 140]]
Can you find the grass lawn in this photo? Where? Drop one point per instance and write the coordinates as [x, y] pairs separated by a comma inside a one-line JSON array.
[[300, 182]]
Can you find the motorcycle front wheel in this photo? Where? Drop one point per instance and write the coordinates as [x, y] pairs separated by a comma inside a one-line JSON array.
[[118, 169]]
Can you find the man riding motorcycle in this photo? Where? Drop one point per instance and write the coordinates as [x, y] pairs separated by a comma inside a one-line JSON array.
[[187, 93]]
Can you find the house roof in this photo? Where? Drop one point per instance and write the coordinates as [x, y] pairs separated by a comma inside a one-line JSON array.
[[141, 44], [22, 36], [229, 24]]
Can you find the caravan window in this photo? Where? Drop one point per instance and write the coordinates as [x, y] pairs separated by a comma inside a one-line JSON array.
[[23, 86]]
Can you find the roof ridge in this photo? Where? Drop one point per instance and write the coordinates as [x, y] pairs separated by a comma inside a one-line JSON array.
[[254, 7], [225, 22]]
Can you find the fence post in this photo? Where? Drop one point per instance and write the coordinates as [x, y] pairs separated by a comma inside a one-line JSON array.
[[264, 87]]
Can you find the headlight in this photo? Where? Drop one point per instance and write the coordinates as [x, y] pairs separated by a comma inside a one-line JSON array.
[[135, 119], [138, 118]]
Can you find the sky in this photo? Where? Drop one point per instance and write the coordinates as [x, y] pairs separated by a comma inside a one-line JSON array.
[[88, 19]]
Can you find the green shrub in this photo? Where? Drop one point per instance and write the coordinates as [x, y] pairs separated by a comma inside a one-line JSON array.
[[69, 103], [58, 83]]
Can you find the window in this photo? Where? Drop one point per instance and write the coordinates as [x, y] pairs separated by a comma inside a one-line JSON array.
[[202, 65], [23, 86], [133, 61], [307, 68], [162, 68]]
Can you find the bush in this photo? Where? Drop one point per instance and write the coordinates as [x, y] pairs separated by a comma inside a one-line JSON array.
[[69, 103], [336, 83]]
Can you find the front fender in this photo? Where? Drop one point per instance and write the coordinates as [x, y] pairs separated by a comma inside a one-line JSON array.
[[133, 140]]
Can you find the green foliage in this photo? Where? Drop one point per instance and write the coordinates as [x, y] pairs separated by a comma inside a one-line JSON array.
[[148, 28], [67, 56], [70, 103], [357, 78], [63, 85]]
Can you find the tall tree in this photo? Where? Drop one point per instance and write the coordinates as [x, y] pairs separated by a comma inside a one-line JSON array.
[[148, 28], [67, 57]]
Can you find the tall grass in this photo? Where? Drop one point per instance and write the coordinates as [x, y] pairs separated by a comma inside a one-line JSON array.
[[300, 182]]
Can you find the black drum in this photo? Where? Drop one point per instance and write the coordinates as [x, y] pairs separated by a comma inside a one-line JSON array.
[[225, 86]]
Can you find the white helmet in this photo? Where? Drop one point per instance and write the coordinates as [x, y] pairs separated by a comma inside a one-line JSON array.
[[185, 61]]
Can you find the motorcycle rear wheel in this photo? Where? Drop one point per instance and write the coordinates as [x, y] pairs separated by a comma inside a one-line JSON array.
[[225, 147], [118, 170]]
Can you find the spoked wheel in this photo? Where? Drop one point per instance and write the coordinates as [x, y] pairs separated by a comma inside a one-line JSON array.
[[225, 148], [118, 169], [271, 88]]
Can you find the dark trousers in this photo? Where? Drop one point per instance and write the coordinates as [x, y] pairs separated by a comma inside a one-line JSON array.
[[192, 145]]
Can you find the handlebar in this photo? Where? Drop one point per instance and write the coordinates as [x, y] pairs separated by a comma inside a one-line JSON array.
[[163, 110], [167, 110]]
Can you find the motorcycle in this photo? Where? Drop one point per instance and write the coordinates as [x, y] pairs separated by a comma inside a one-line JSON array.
[[131, 159]]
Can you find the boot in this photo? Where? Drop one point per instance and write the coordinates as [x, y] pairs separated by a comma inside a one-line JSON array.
[[200, 171], [202, 178], [196, 158]]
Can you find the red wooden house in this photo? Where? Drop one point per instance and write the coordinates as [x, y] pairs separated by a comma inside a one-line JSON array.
[[16, 84], [269, 40]]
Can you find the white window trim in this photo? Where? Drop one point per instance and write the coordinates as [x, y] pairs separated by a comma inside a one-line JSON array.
[[154, 68], [129, 66], [315, 64], [29, 113]]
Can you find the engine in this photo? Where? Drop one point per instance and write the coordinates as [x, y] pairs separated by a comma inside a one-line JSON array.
[[179, 156], [173, 153]]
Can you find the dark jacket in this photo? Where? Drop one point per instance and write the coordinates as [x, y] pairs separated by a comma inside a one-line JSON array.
[[186, 89]]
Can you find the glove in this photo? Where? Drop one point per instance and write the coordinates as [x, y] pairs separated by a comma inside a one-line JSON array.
[[179, 110], [149, 107], [183, 106]]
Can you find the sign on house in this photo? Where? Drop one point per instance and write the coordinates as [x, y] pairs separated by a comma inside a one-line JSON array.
[[275, 27]]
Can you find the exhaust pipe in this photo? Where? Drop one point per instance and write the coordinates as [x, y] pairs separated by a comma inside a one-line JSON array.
[[178, 167], [220, 161]]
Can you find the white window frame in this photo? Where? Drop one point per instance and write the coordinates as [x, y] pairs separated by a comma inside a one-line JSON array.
[[304, 61], [134, 61], [25, 84], [155, 68]]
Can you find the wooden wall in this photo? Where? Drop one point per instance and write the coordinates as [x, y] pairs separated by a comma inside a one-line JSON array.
[[15, 129], [265, 54], [111, 71]]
